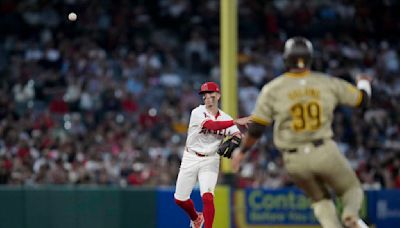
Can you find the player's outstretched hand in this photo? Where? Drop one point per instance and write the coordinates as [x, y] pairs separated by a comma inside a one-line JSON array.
[[242, 121]]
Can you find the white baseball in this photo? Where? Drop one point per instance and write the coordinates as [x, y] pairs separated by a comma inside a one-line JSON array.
[[72, 16]]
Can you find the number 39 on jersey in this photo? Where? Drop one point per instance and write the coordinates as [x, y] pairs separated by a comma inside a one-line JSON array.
[[306, 116]]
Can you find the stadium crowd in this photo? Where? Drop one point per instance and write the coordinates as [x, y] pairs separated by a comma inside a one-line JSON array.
[[106, 99]]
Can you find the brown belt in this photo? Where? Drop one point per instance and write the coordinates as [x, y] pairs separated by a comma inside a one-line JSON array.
[[316, 143]]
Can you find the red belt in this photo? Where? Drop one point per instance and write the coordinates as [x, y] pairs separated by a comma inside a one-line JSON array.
[[198, 154]]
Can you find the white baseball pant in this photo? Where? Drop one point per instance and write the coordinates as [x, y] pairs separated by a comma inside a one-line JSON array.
[[193, 168]]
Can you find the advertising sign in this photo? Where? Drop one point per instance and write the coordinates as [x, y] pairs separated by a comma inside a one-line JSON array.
[[271, 207]]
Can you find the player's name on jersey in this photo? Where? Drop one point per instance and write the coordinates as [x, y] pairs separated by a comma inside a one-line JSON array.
[[308, 91]]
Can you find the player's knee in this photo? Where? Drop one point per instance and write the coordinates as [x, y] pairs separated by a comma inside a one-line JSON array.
[[324, 209], [208, 198], [355, 191], [180, 202], [181, 197]]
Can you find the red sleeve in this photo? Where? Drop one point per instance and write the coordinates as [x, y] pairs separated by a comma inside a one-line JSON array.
[[217, 125]]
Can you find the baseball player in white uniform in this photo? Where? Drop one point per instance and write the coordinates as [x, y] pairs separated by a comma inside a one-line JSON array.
[[207, 128]]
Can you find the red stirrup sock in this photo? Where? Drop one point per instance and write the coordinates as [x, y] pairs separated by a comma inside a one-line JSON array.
[[188, 207], [208, 209]]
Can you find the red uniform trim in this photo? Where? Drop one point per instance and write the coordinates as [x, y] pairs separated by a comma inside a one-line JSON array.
[[217, 125]]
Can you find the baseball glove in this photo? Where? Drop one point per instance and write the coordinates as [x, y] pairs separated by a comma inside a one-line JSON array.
[[228, 146]]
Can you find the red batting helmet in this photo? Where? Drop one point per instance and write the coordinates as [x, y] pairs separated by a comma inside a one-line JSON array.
[[209, 87]]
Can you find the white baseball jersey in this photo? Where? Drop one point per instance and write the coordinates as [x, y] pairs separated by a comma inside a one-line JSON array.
[[202, 140]]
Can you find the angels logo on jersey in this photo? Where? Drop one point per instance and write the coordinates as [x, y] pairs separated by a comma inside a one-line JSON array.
[[215, 132]]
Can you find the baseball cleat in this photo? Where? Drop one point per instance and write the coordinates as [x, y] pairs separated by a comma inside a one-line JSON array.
[[198, 223], [352, 222]]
